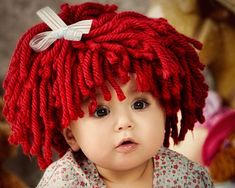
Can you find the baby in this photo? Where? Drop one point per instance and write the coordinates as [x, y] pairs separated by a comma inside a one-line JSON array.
[[102, 89]]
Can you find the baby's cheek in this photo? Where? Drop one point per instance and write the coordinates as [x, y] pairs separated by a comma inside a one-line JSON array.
[[96, 152], [155, 136], [93, 145]]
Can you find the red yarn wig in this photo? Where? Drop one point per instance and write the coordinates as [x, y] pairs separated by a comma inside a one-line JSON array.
[[44, 91]]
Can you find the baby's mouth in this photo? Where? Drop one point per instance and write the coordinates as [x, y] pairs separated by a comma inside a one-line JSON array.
[[126, 145]]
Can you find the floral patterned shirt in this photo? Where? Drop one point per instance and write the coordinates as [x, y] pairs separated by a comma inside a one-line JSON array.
[[171, 169]]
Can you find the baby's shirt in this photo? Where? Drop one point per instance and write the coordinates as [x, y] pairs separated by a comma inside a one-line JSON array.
[[171, 169]]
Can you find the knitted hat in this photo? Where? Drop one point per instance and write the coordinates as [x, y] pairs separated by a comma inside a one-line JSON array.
[[45, 88], [224, 125]]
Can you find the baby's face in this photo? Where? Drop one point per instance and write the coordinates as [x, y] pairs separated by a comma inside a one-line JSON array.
[[121, 135]]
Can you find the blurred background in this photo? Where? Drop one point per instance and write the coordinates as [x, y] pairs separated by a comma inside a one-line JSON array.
[[210, 21]]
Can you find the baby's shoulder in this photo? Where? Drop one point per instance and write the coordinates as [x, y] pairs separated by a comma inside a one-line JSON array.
[[169, 158], [64, 172], [175, 168]]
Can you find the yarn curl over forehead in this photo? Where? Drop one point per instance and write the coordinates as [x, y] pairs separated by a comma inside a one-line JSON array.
[[44, 91]]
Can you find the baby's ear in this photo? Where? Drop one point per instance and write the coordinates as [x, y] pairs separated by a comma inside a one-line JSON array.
[[70, 139]]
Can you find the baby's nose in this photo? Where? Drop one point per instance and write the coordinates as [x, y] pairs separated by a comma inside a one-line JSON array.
[[124, 123], [124, 127]]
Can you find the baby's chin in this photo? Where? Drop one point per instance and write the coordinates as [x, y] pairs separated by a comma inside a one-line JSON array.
[[123, 165]]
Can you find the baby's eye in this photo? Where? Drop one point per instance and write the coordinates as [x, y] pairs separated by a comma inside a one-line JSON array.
[[139, 104], [101, 111]]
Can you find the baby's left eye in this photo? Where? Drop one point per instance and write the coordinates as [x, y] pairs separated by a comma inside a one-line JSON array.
[[139, 104]]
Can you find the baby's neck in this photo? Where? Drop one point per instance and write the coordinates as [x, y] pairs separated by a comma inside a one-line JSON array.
[[136, 177]]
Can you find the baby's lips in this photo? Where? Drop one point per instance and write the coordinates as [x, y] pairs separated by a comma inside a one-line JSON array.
[[126, 141]]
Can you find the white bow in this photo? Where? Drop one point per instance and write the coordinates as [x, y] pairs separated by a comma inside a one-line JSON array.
[[73, 32]]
